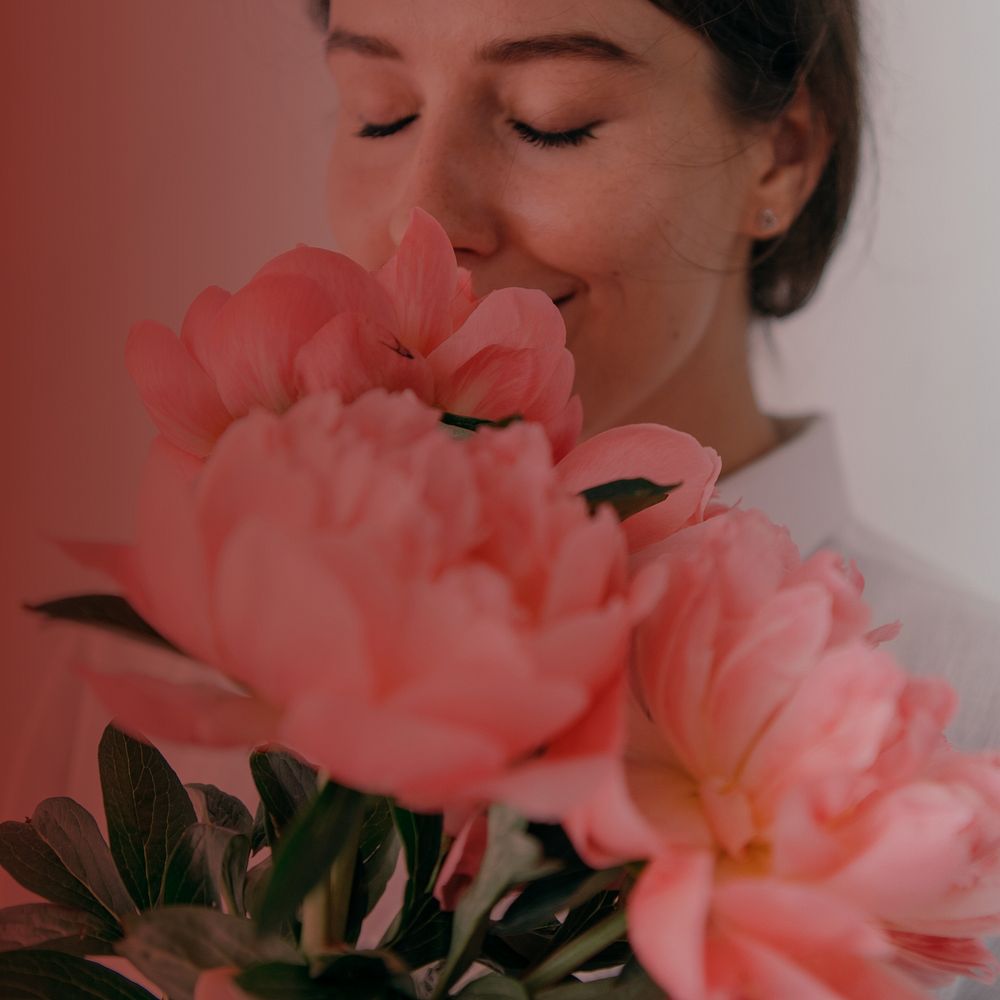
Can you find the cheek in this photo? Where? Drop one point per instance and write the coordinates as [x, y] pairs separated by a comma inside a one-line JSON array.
[[356, 210], [652, 254]]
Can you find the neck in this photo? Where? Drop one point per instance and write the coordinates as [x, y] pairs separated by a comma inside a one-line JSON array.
[[711, 396]]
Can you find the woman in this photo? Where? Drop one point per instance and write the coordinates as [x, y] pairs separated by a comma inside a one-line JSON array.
[[668, 171]]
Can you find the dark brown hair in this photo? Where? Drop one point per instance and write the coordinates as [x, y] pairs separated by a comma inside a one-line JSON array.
[[767, 49]]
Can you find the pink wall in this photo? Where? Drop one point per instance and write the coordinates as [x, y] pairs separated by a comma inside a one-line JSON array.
[[149, 150]]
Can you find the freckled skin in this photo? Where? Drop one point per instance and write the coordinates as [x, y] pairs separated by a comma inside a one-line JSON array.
[[649, 223]]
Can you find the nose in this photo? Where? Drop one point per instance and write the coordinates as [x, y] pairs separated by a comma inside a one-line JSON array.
[[448, 172]]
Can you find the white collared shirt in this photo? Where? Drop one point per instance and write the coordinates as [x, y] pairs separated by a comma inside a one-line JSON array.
[[947, 631]]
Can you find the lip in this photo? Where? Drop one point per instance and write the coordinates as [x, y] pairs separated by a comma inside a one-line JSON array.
[[563, 299]]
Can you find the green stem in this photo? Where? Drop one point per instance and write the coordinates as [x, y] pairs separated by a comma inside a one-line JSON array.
[[315, 937], [342, 879], [574, 953], [325, 910]]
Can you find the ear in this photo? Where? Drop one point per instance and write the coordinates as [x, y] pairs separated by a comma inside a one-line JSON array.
[[793, 150]]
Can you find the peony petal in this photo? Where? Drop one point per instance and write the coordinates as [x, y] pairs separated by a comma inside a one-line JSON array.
[[860, 979], [188, 713], [834, 723], [516, 318], [588, 648], [776, 648], [924, 709], [768, 972], [851, 616], [674, 657], [347, 285], [910, 850], [497, 382], [422, 281], [581, 574], [546, 787], [285, 622], [797, 918], [196, 329], [667, 917], [607, 828], [517, 717], [647, 451], [377, 750], [463, 300], [179, 395], [352, 354], [173, 585], [564, 429], [936, 961], [113, 559], [252, 472], [256, 336]]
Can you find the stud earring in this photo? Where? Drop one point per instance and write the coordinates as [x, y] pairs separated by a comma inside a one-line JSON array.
[[767, 219]]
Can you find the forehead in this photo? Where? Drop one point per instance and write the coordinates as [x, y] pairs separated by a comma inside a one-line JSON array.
[[630, 35]]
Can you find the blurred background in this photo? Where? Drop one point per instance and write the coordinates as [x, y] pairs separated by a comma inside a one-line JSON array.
[[152, 149]]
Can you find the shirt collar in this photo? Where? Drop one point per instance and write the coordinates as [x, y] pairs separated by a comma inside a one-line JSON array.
[[798, 484]]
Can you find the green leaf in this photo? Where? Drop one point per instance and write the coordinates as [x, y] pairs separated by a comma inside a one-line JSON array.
[[263, 830], [598, 989], [277, 981], [422, 837], [571, 956], [627, 496], [74, 835], [421, 932], [174, 945], [514, 953], [353, 976], [60, 855], [51, 975], [512, 857], [473, 424], [147, 810], [207, 867], [542, 899], [212, 805], [256, 886], [307, 849], [55, 928], [494, 987], [378, 852], [425, 937], [285, 783], [613, 955], [586, 915], [106, 611]]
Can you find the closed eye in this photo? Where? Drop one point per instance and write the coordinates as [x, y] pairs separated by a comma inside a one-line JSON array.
[[571, 137]]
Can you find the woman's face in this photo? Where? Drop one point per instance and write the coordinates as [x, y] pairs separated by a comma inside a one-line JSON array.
[[573, 146]]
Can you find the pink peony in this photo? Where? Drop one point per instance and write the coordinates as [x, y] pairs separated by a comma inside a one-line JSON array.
[[661, 455], [312, 320], [811, 835], [434, 619]]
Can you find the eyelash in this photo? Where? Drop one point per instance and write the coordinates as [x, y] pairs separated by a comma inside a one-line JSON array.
[[548, 140]]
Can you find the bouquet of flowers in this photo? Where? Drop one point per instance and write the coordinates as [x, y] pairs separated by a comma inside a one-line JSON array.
[[530, 717]]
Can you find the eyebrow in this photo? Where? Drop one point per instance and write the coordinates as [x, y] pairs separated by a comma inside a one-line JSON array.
[[501, 51]]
